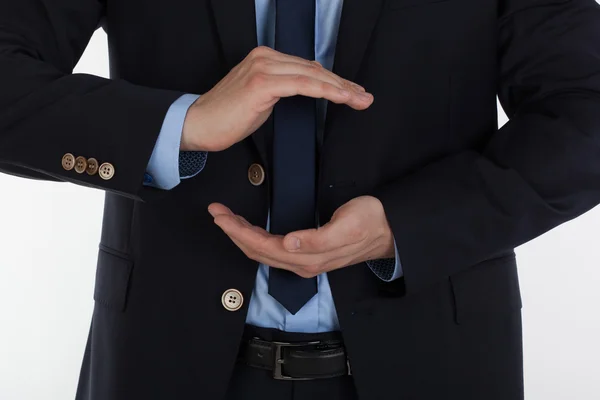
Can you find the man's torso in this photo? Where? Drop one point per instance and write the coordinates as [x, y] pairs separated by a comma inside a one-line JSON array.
[[160, 329]]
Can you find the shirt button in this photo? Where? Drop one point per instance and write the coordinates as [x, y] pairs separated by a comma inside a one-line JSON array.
[[256, 174], [80, 165], [68, 161], [92, 166], [106, 171], [232, 300], [148, 179]]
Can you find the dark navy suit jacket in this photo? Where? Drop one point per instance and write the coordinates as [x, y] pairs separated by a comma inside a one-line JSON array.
[[460, 193]]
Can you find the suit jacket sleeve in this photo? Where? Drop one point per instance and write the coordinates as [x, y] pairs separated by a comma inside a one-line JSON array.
[[537, 172], [46, 111]]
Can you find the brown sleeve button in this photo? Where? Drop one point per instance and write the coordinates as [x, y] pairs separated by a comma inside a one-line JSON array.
[[68, 161], [256, 174], [106, 171], [92, 166], [80, 165]]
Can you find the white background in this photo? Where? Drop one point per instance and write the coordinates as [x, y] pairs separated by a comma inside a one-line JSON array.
[[49, 234]]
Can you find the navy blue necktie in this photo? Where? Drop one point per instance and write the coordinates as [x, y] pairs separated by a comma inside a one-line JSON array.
[[294, 152]]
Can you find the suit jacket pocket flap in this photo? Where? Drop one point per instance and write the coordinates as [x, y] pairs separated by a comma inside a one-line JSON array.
[[490, 286], [112, 279]]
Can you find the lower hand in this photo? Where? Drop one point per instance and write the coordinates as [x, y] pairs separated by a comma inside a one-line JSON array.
[[358, 231], [242, 101]]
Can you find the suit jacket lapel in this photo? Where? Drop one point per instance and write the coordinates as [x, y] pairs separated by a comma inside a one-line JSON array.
[[236, 25], [356, 25]]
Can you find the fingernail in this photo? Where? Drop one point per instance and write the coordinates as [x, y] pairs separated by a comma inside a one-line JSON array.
[[293, 243], [365, 96], [344, 93], [210, 211], [358, 87]]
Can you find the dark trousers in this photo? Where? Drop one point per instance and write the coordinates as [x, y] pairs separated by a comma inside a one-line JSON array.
[[248, 383]]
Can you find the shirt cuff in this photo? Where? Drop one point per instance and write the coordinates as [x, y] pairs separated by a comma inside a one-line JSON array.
[[163, 168], [387, 269], [191, 163]]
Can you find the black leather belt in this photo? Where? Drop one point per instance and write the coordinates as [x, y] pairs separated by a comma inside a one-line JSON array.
[[297, 361]]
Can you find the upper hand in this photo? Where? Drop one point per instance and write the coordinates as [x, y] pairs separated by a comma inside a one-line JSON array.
[[358, 231], [242, 101]]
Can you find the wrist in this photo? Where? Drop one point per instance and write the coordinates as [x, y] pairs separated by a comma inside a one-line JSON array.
[[191, 130], [196, 134], [388, 248], [199, 133]]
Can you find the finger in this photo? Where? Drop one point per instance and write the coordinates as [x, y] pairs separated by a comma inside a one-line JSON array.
[[247, 237], [216, 209], [219, 209], [315, 241], [251, 236], [248, 224], [293, 85], [235, 224], [313, 71], [266, 56], [264, 52], [265, 259], [337, 236]]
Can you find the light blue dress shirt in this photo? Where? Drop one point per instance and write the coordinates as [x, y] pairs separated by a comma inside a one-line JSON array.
[[167, 166]]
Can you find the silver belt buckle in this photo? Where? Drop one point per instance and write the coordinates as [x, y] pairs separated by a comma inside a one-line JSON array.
[[279, 361]]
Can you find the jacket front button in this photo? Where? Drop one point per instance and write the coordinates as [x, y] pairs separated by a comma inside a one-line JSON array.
[[232, 300], [256, 174]]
